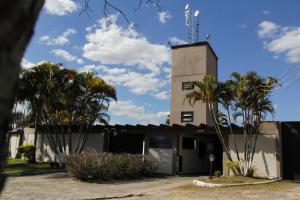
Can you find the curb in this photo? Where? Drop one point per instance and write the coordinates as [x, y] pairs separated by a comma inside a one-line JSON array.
[[203, 184]]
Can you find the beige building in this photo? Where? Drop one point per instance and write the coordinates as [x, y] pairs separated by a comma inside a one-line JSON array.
[[190, 62], [185, 145], [268, 153]]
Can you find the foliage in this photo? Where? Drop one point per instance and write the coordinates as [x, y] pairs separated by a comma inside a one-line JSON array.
[[245, 97], [237, 166], [251, 171], [234, 166], [218, 173], [91, 165], [28, 151], [21, 167], [54, 165], [60, 98]]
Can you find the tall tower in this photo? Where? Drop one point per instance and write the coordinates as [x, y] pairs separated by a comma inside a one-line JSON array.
[[190, 62]]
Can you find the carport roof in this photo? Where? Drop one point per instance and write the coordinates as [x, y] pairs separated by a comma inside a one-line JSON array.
[[201, 128]]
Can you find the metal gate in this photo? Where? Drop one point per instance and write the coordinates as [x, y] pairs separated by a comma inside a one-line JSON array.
[[291, 150]]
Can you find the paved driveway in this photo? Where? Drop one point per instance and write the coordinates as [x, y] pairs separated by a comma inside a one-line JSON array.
[[60, 186]]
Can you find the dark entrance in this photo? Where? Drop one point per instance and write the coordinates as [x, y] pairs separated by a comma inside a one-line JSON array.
[[291, 149], [126, 143], [218, 153]]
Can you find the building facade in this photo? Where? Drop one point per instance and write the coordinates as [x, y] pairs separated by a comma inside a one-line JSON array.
[[190, 62]]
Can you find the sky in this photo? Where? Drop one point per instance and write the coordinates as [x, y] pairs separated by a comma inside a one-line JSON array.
[[256, 35]]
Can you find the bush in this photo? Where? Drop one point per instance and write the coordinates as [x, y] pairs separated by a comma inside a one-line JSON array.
[[54, 165], [28, 152], [251, 171], [92, 165], [235, 165], [217, 173]]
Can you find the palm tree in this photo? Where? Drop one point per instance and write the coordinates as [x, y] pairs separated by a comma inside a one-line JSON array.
[[251, 104], [248, 97], [208, 92], [64, 97], [226, 99]]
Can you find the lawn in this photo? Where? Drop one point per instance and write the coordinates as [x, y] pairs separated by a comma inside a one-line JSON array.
[[21, 167], [233, 180], [274, 186]]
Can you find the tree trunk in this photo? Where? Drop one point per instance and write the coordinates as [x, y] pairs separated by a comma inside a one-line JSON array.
[[17, 19]]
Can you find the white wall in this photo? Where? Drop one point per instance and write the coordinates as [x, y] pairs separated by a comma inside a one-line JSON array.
[[265, 154], [45, 154], [13, 145], [28, 136], [14, 140]]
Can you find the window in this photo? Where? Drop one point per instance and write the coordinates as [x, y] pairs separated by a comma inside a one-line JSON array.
[[163, 142], [189, 143], [187, 116], [187, 86]]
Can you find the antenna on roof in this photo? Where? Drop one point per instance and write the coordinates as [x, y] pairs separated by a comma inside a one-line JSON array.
[[192, 28], [188, 22], [196, 14], [208, 36]]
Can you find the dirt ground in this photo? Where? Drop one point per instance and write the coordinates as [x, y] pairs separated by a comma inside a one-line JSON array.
[[61, 186]]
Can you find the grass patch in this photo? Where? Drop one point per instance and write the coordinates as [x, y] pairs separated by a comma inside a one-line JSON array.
[[271, 187], [19, 167], [233, 180]]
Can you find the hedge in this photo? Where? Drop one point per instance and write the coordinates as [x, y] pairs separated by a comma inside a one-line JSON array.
[[92, 165], [27, 151]]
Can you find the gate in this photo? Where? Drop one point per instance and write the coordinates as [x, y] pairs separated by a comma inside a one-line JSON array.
[[291, 150]]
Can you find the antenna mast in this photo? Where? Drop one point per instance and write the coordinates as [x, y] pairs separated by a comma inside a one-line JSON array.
[[196, 14], [192, 28]]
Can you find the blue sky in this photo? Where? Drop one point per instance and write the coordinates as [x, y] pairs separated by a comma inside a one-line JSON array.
[[259, 35]]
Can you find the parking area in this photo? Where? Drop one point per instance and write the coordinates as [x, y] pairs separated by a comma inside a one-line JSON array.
[[61, 186]]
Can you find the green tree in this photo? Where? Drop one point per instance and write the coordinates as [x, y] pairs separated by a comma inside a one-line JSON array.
[[208, 92], [247, 97], [65, 98], [18, 19]]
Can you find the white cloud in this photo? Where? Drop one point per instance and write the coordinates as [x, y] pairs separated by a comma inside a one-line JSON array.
[[109, 43], [176, 41], [163, 95], [26, 64], [59, 40], [136, 82], [265, 12], [164, 16], [267, 29], [60, 7], [285, 40], [128, 110], [66, 56]]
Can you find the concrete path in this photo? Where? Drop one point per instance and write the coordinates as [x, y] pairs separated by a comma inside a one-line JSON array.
[[60, 186]]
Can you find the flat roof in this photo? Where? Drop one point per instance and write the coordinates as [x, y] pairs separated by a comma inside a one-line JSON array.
[[136, 127], [203, 43]]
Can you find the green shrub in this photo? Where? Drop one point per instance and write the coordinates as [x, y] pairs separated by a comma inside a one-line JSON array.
[[217, 173], [234, 166], [54, 165], [92, 165], [28, 152], [239, 168], [251, 171]]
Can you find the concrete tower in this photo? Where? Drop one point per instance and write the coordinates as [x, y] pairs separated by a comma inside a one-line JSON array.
[[190, 62]]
